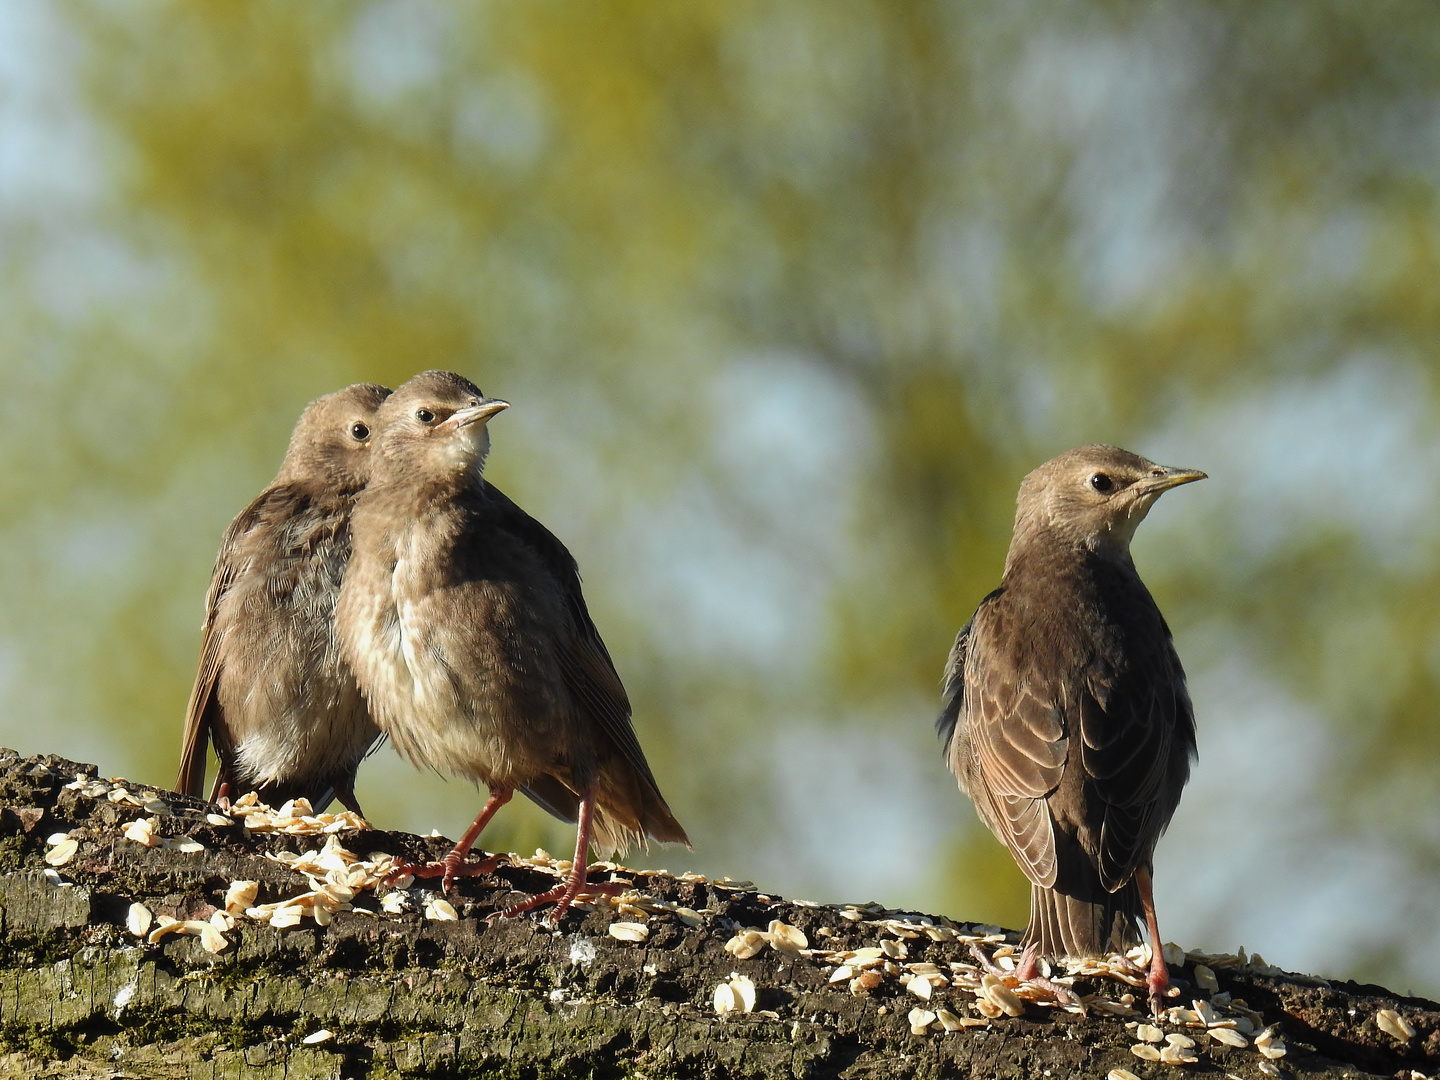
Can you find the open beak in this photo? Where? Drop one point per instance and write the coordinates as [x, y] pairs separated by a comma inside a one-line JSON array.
[[1168, 478], [478, 414]]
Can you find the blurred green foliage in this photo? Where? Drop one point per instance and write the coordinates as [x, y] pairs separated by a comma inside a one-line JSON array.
[[916, 247]]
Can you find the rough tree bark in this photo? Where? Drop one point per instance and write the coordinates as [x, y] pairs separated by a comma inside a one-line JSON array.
[[81, 995]]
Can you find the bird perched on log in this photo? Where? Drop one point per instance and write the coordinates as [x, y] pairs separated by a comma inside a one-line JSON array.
[[286, 716], [463, 619], [1066, 717]]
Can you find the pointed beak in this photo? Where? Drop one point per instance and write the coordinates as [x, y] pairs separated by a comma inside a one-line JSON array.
[[478, 414], [1167, 477]]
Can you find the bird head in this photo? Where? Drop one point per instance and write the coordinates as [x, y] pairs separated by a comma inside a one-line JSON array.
[[1094, 496], [331, 442], [437, 423]]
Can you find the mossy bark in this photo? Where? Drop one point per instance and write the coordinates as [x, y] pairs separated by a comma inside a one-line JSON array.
[[80, 996]]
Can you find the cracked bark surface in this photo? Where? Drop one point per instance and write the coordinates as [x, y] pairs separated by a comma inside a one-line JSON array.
[[403, 995]]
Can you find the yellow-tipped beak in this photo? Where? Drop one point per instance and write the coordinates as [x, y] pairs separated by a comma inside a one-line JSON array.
[[478, 413], [1170, 478]]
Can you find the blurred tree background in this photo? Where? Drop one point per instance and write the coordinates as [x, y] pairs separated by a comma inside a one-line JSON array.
[[787, 296]]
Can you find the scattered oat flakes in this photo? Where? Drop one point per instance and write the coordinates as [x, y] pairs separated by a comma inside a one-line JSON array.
[[317, 1037], [240, 896], [1394, 1025], [441, 910], [285, 918], [920, 986], [1001, 996], [787, 938], [1178, 1055], [629, 931], [948, 1020], [736, 995], [138, 919], [745, 991], [211, 939], [920, 1021], [745, 944], [725, 1000], [1145, 1052], [142, 832], [62, 852], [865, 982], [985, 1007], [164, 924]]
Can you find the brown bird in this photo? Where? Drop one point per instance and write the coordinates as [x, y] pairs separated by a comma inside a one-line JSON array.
[[463, 619], [1066, 717], [287, 717]]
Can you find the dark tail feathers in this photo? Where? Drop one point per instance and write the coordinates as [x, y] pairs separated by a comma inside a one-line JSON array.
[[1093, 926]]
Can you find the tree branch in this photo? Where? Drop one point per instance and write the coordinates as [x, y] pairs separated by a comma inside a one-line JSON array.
[[82, 995]]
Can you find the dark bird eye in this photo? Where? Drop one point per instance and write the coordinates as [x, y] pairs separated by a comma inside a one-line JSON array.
[[1101, 483], [424, 415], [359, 431]]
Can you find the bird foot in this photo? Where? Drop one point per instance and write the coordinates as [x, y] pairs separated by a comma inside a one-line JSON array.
[[447, 869], [1027, 971], [563, 896], [1158, 982]]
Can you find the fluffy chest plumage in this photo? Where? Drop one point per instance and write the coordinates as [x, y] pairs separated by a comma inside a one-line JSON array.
[[452, 653], [396, 633]]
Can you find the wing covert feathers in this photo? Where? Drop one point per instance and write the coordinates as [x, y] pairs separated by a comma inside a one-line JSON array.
[[630, 806], [1068, 724]]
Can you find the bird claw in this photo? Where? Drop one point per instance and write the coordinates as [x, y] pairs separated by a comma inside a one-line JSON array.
[[1027, 971], [1157, 982], [563, 896], [447, 869]]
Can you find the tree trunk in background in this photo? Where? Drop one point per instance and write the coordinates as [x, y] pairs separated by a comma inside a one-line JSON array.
[[403, 994]]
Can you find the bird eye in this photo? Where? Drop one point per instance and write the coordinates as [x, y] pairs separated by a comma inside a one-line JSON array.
[[359, 432], [1101, 483], [424, 415]]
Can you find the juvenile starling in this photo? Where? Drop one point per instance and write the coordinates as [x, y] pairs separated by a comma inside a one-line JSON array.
[[1066, 717], [463, 619], [287, 717]]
